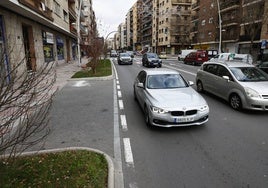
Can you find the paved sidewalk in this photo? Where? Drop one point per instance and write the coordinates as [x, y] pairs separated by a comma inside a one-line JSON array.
[[65, 71]]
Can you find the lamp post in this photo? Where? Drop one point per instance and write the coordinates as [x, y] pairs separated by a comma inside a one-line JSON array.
[[219, 13], [109, 34], [78, 33]]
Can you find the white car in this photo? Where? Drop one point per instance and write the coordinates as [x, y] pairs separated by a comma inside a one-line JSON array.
[[245, 58], [168, 100]]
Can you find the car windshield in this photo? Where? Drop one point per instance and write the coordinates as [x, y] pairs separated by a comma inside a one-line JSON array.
[[124, 55], [249, 74], [165, 81], [152, 55]]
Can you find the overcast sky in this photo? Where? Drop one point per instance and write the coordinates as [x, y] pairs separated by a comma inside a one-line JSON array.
[[110, 13]]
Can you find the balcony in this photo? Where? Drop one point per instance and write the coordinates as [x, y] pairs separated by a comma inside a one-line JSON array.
[[230, 22], [196, 6], [252, 1], [181, 2], [229, 5], [39, 7]]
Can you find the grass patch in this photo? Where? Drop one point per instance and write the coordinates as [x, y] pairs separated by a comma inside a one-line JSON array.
[[104, 68], [77, 168]]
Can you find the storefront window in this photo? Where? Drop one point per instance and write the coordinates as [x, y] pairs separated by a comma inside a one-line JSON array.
[[60, 49], [48, 41]]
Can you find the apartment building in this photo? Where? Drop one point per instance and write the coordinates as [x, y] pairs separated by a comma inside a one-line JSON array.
[[129, 29], [137, 7], [173, 20], [122, 30], [41, 31], [243, 25], [253, 26], [146, 20]]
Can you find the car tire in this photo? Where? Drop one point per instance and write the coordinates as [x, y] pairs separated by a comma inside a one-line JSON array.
[[147, 118], [235, 102], [134, 93], [199, 87]]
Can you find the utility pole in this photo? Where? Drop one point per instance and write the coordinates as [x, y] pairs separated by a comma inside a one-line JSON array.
[[78, 33], [220, 39]]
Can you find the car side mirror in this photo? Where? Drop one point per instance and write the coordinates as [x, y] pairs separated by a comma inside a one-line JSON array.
[[226, 78], [141, 85], [190, 83]]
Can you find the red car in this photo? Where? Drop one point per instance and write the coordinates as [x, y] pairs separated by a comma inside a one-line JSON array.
[[196, 58]]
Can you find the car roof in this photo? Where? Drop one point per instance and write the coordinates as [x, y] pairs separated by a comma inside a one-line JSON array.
[[156, 71], [230, 63]]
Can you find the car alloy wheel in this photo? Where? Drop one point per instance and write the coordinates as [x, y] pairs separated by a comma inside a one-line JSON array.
[[147, 118], [235, 102], [134, 92]]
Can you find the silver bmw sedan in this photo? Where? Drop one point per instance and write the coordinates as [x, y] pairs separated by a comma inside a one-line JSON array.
[[168, 100]]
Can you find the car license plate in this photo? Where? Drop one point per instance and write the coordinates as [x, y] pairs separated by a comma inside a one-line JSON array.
[[183, 119]]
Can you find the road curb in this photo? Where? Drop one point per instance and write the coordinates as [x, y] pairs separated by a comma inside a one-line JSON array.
[[107, 157]]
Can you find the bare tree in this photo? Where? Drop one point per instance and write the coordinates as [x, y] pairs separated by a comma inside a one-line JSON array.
[[254, 17], [25, 100], [95, 50]]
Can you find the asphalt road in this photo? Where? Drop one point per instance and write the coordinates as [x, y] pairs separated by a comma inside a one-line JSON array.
[[231, 150]]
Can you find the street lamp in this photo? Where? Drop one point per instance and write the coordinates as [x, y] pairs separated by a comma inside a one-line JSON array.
[[219, 12], [78, 33]]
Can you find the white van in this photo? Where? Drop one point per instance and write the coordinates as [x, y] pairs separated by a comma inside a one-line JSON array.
[[184, 53]]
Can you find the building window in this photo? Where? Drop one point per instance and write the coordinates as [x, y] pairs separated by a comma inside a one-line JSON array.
[[65, 16], [57, 8], [48, 41], [210, 20]]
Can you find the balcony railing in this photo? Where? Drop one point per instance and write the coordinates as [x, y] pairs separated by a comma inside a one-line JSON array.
[[196, 5], [229, 4], [177, 2], [252, 1]]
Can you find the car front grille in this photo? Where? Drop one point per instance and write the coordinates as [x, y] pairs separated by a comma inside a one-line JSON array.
[[265, 96], [183, 113]]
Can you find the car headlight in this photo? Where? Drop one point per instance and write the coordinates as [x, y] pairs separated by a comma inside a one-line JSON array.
[[252, 93], [158, 110], [203, 108]]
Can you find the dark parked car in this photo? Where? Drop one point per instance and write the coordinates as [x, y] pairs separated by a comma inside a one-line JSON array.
[[124, 58], [151, 60], [196, 58], [263, 63]]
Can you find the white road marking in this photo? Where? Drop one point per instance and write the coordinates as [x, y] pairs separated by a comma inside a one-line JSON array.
[[118, 170], [123, 122], [119, 94], [81, 83], [121, 105], [128, 151], [181, 70], [118, 86]]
